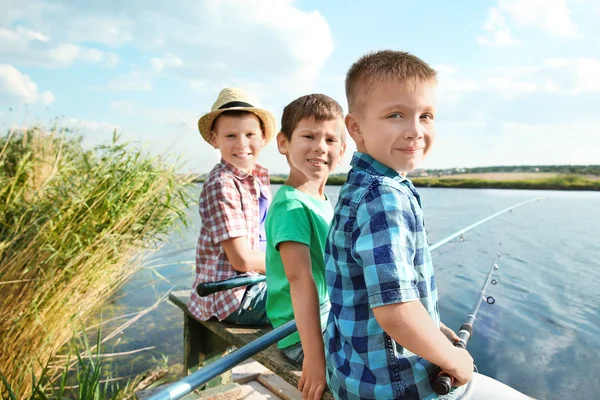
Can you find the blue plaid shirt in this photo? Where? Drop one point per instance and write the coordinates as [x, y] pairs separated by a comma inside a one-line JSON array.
[[376, 254]]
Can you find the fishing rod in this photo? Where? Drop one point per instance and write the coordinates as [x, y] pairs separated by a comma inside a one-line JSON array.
[[193, 381], [443, 382], [207, 288], [476, 224]]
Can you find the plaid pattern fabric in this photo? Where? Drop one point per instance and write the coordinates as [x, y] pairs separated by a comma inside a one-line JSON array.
[[376, 254], [229, 208]]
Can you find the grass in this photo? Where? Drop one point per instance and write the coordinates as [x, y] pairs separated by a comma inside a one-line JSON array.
[[558, 182], [72, 224]]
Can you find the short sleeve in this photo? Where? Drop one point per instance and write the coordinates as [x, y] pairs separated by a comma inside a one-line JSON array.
[[385, 245], [288, 222], [221, 210]]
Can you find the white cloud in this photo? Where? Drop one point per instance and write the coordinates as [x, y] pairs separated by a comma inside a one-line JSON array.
[[499, 30], [34, 48], [134, 80], [225, 42], [552, 17], [168, 60], [16, 86], [477, 143], [89, 127], [578, 75], [554, 75]]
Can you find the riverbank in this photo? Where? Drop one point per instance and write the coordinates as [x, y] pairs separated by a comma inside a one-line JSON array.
[[540, 181]]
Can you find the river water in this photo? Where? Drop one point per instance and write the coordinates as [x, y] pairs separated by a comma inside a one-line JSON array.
[[542, 336]]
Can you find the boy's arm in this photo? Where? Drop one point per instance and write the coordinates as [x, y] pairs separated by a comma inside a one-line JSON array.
[[305, 302], [410, 325], [242, 257]]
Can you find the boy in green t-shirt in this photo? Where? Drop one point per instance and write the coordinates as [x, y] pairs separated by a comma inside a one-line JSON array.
[[312, 138]]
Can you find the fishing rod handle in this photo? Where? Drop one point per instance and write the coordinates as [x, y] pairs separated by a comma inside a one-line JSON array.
[[206, 288], [443, 383]]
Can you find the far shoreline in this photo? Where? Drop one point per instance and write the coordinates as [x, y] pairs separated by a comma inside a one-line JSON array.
[[566, 182]]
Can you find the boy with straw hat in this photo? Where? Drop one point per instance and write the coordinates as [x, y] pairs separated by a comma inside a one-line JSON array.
[[233, 206]]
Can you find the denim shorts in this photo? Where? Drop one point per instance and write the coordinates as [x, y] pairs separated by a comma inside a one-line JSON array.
[[252, 309]]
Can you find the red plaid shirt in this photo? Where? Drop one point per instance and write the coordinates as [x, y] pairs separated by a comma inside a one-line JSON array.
[[228, 209]]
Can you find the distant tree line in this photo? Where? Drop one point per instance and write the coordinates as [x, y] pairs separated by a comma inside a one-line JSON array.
[[340, 178], [559, 169]]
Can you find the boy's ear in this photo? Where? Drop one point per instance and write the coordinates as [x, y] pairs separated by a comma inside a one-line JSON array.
[[282, 143], [213, 140], [353, 128]]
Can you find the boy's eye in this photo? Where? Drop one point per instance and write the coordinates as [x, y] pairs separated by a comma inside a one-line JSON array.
[[332, 140], [395, 115], [308, 136], [427, 116], [231, 135]]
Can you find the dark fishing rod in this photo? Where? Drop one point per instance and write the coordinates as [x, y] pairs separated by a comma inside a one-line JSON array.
[[193, 381], [443, 383]]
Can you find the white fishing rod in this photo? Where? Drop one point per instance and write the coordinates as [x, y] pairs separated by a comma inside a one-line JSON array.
[[476, 224]]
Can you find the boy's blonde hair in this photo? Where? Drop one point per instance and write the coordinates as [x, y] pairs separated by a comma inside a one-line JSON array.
[[376, 68], [317, 106]]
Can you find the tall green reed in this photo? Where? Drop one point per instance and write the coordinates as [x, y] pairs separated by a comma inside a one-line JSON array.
[[72, 224]]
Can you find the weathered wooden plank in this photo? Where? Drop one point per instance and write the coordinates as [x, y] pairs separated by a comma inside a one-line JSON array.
[[278, 386], [231, 391], [248, 371]]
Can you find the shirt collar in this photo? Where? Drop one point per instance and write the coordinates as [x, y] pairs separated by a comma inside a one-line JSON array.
[[365, 162], [238, 173]]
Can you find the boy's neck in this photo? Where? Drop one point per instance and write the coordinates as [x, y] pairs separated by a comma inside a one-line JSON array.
[[308, 186], [364, 151]]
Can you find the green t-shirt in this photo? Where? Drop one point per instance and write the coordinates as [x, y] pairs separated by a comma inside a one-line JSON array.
[[295, 216]]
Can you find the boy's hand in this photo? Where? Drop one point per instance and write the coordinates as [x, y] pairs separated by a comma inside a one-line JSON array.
[[449, 333], [463, 367], [312, 384]]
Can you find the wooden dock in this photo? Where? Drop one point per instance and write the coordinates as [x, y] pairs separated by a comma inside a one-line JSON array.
[[251, 381]]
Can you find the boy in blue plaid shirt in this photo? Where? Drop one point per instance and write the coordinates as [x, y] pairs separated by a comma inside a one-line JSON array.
[[384, 337]]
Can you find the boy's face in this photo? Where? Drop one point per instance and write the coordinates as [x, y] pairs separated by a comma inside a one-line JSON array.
[[315, 148], [395, 125], [239, 139]]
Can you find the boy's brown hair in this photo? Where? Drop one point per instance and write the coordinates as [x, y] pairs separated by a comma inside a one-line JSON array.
[[317, 106], [376, 68], [238, 114]]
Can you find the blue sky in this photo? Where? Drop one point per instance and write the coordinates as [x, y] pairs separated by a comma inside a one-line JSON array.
[[519, 79]]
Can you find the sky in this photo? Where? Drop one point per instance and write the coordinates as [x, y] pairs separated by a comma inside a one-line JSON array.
[[519, 79]]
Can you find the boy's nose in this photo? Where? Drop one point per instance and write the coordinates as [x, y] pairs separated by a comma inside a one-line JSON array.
[[414, 131], [322, 146]]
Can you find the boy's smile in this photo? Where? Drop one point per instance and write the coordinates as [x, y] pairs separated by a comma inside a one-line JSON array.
[[395, 125], [315, 149], [239, 139]]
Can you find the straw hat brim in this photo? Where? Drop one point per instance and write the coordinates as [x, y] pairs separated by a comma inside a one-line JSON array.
[[206, 121]]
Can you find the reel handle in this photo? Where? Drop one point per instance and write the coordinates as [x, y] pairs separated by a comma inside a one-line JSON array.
[[443, 383]]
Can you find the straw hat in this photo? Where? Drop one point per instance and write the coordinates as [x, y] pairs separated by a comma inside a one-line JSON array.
[[236, 99]]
